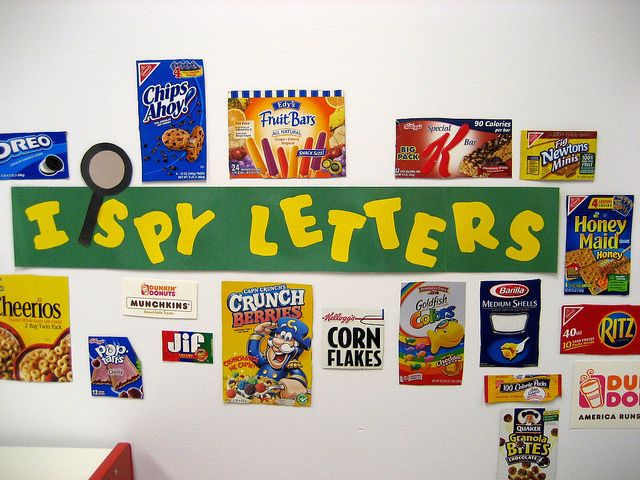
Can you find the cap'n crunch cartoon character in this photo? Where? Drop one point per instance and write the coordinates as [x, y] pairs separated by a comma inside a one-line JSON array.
[[286, 341]]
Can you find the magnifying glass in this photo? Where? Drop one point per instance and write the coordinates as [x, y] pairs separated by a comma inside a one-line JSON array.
[[106, 170]]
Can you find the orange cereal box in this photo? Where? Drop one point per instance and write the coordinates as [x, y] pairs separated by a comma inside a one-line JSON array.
[[286, 134], [266, 343]]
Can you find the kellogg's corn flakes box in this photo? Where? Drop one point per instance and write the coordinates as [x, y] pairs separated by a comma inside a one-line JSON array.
[[286, 134], [266, 343]]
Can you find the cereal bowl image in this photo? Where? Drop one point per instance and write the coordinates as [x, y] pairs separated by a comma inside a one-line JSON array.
[[11, 345], [46, 362]]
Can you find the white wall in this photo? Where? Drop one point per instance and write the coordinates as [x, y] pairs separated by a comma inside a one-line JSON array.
[[546, 64]]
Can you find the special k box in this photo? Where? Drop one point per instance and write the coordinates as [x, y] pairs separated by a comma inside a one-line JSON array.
[[600, 329], [286, 134], [453, 148]]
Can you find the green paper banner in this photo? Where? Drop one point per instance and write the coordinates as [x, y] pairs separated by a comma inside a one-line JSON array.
[[349, 229]]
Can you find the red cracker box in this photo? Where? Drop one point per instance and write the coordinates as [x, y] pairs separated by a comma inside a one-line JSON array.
[[453, 148], [600, 329]]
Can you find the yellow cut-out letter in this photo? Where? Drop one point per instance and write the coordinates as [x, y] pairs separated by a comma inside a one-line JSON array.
[[49, 236], [149, 236], [257, 239], [109, 211], [297, 224], [520, 233], [469, 234], [190, 227], [382, 211], [419, 239], [345, 223]]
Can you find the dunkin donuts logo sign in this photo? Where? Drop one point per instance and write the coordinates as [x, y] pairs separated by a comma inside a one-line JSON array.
[[606, 395]]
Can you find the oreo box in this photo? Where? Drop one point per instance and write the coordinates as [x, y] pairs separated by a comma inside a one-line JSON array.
[[38, 155], [171, 111], [509, 323]]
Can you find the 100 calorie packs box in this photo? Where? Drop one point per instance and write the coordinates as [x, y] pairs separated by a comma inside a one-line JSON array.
[[171, 110]]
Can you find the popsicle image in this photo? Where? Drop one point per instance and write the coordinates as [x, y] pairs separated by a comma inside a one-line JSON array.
[[293, 162], [304, 163], [282, 162], [269, 158], [317, 161], [255, 155]]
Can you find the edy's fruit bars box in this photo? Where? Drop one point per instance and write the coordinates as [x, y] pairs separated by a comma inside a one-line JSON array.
[[39, 155], [453, 148], [171, 110], [286, 134], [557, 155], [598, 249]]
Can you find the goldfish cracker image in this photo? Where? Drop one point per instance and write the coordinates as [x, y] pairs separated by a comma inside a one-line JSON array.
[[431, 335], [266, 343], [286, 134]]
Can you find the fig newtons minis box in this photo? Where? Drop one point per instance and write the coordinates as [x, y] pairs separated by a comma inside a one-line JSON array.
[[557, 155]]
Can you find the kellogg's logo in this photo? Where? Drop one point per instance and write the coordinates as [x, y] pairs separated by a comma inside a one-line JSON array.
[[509, 290], [412, 126], [617, 330]]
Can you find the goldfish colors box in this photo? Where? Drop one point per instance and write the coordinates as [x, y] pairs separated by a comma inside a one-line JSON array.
[[431, 334], [266, 343], [287, 134], [598, 245], [453, 148], [171, 111]]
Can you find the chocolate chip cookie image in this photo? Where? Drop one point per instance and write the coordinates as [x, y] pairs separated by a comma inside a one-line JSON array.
[[195, 143], [175, 139]]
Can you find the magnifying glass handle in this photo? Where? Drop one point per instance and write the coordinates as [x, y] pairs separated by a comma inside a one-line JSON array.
[[90, 219]]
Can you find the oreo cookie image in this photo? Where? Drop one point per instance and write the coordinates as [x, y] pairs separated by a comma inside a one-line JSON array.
[[51, 165]]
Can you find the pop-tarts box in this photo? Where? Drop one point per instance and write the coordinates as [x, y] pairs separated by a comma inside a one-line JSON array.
[[38, 155], [171, 110]]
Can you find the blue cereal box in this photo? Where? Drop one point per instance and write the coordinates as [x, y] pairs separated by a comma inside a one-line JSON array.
[[115, 368], [171, 111], [39, 155], [598, 249]]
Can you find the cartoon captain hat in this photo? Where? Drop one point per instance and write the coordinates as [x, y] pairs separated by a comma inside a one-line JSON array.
[[298, 329]]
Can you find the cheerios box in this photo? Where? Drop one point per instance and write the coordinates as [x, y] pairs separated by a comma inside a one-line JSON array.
[[171, 111], [35, 341]]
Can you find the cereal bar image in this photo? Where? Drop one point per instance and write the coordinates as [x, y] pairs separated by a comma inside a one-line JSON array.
[[493, 155]]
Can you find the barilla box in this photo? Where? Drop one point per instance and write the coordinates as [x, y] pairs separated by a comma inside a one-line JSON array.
[[509, 323], [558, 155], [598, 245], [287, 134], [171, 111], [431, 333], [453, 148], [32, 156], [600, 329]]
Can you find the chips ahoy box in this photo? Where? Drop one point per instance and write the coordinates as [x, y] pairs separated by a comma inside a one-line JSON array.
[[171, 110], [39, 155]]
